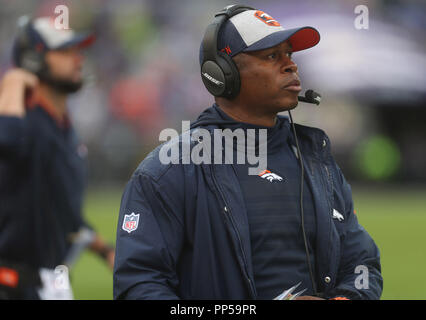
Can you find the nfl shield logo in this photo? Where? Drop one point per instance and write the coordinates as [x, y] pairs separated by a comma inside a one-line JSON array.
[[130, 222]]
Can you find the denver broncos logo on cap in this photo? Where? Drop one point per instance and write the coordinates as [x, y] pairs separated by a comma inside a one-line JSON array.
[[262, 16]]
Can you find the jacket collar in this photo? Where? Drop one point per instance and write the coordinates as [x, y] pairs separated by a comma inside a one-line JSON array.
[[38, 100]]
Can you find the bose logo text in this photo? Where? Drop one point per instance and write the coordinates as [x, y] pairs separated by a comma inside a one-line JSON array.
[[215, 81]]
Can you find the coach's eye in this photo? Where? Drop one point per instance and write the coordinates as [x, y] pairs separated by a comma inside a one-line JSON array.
[[289, 54], [272, 56]]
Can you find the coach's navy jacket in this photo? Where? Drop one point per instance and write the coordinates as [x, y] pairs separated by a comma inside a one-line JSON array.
[[192, 241], [42, 180]]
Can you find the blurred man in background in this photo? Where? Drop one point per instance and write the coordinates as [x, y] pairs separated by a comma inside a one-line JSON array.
[[42, 163]]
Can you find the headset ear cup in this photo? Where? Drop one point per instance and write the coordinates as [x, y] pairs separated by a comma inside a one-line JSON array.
[[213, 78], [232, 76], [221, 78], [32, 62]]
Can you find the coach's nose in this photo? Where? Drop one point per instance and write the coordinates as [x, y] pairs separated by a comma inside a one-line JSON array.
[[290, 66]]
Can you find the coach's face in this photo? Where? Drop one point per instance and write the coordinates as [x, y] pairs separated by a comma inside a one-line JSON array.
[[66, 64], [269, 79]]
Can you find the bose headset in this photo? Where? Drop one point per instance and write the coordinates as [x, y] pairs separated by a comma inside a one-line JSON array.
[[27, 54], [221, 78], [219, 72]]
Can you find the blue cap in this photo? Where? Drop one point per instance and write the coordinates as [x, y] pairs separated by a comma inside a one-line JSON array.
[[254, 30], [43, 35]]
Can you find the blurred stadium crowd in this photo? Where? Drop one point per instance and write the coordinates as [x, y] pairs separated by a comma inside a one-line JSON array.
[[142, 75]]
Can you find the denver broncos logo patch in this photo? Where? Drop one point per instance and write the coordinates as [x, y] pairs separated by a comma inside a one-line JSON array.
[[270, 176], [262, 16]]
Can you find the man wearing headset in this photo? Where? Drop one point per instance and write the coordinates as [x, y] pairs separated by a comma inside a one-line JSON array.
[[42, 163], [212, 231]]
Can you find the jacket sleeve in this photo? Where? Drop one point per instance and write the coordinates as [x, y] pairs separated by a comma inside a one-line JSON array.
[[146, 255], [359, 275], [13, 136]]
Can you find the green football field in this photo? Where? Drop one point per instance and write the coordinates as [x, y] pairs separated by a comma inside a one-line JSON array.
[[394, 217]]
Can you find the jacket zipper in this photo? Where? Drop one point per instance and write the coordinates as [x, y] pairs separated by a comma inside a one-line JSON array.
[[229, 214], [330, 181], [328, 176]]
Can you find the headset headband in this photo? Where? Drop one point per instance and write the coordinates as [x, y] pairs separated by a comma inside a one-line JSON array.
[[211, 35], [26, 54]]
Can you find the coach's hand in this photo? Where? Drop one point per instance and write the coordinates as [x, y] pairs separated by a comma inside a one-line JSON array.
[[110, 258], [12, 91], [103, 249]]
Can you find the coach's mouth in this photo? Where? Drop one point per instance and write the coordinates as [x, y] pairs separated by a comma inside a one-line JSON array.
[[293, 86]]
